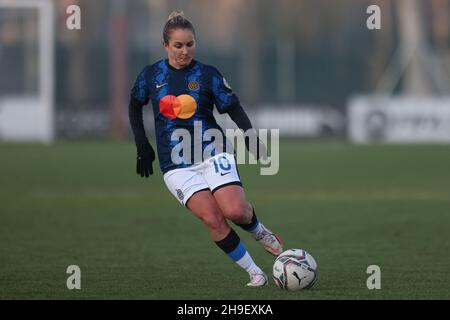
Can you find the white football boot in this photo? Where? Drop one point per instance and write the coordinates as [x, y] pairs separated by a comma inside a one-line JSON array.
[[269, 240], [257, 279]]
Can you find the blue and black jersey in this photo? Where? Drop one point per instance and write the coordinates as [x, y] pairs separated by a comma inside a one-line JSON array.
[[182, 98]]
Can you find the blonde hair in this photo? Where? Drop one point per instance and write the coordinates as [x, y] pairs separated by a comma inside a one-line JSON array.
[[174, 14], [176, 20]]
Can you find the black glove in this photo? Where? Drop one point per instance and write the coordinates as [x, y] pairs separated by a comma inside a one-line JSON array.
[[145, 158]]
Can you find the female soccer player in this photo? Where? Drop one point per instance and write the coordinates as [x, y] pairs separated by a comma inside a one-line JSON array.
[[183, 92]]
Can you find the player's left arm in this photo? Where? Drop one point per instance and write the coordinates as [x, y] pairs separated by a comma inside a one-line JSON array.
[[227, 102], [240, 117]]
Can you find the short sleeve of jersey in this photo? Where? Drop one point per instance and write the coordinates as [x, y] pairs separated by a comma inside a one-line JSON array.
[[140, 90], [224, 98]]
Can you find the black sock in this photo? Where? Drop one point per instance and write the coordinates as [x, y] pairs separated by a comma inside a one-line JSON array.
[[249, 227], [232, 246], [230, 242]]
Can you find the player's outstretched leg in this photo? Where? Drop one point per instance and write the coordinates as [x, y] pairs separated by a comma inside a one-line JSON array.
[[236, 208], [235, 249], [205, 207], [270, 241]]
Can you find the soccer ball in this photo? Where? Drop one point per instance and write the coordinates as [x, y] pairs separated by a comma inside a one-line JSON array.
[[295, 269]]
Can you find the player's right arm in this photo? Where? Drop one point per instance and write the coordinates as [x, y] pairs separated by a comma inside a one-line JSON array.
[[138, 99]]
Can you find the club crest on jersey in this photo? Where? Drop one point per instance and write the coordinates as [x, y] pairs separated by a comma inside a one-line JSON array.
[[180, 194], [193, 85]]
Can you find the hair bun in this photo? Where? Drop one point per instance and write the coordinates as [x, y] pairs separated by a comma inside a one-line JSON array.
[[176, 13]]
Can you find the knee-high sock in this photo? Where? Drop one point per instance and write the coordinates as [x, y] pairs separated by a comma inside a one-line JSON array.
[[235, 249]]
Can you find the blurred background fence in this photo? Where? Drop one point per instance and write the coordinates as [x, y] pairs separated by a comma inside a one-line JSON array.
[[301, 66]]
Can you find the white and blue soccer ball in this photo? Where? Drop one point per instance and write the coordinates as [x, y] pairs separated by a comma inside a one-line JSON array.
[[295, 269]]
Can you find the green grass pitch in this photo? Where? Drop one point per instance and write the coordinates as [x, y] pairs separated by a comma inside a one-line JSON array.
[[80, 203]]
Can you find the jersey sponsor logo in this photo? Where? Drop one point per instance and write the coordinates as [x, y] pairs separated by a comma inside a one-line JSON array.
[[182, 107], [224, 173], [193, 85]]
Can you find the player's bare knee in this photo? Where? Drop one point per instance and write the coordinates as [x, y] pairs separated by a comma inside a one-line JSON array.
[[238, 213], [249, 211], [213, 221]]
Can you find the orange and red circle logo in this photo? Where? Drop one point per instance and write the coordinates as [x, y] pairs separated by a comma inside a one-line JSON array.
[[182, 107]]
